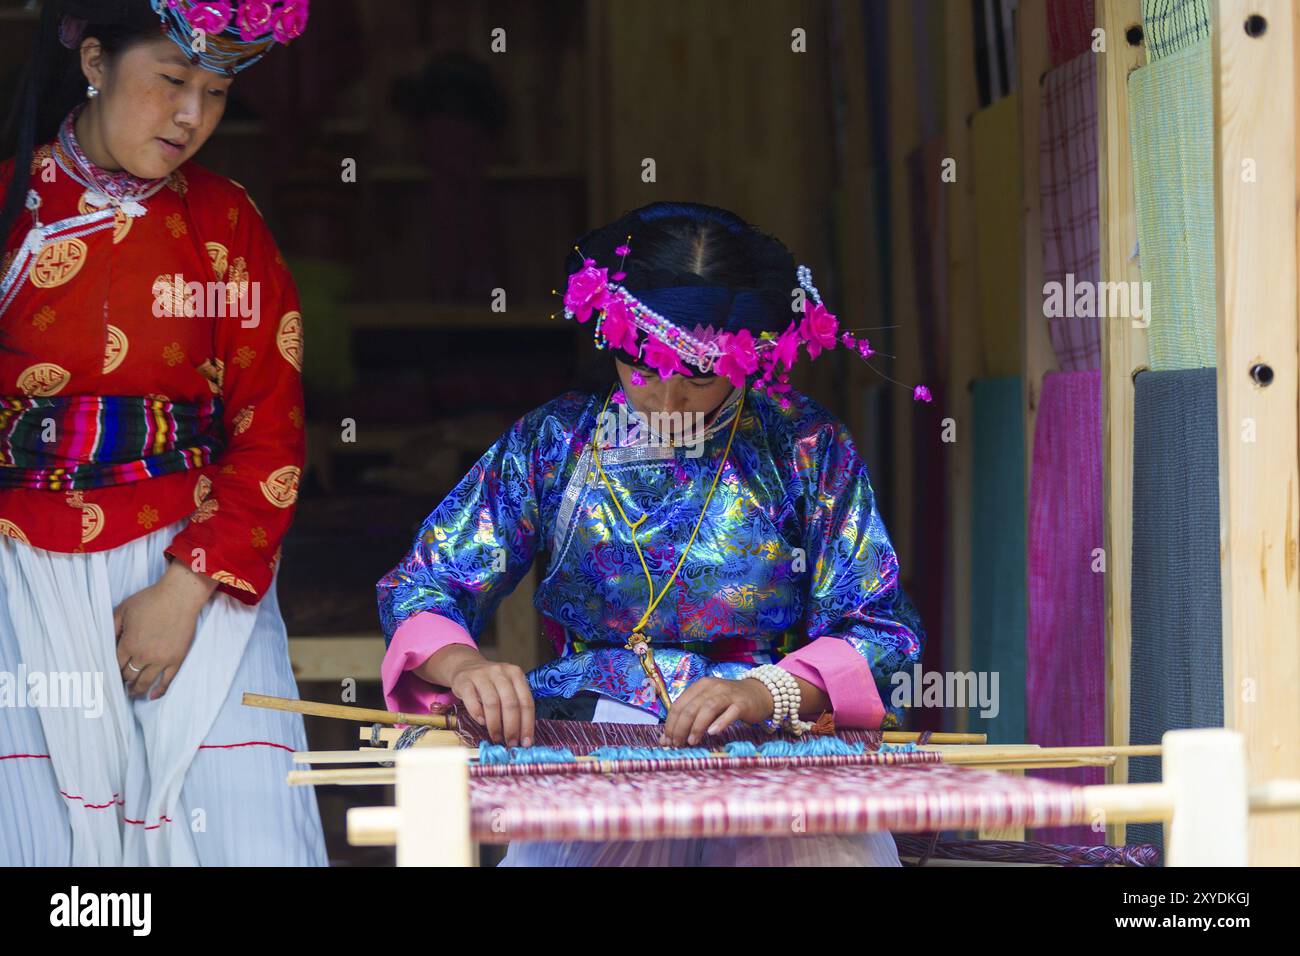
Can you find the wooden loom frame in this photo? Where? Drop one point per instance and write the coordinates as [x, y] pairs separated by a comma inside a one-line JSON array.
[[1205, 803]]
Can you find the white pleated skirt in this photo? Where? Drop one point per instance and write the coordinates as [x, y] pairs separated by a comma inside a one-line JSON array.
[[866, 849], [89, 777]]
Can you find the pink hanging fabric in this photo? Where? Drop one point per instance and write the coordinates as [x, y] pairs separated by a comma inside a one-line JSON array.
[[1067, 154], [1069, 28], [1065, 641]]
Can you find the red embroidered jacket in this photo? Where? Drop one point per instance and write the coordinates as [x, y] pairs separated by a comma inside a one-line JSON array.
[[83, 323]]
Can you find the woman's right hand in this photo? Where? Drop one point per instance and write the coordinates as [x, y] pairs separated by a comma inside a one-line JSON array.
[[496, 695]]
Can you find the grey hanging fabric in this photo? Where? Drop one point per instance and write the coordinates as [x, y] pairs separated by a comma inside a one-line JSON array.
[[1177, 655]]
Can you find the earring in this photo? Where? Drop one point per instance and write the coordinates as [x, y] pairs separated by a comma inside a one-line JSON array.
[[91, 92]]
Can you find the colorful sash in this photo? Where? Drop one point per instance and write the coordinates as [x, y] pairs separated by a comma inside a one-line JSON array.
[[91, 441]]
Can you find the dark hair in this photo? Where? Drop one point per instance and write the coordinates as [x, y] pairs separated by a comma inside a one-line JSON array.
[[53, 83], [678, 245]]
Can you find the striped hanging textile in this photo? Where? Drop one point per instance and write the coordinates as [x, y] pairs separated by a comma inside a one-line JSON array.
[[1069, 28], [1172, 25], [997, 556], [1177, 657], [995, 134], [1171, 127], [1065, 656], [1067, 167], [995, 48]]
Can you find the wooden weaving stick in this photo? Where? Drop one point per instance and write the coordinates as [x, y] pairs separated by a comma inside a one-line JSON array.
[[345, 712]]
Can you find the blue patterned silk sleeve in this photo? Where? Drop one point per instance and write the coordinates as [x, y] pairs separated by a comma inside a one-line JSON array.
[[472, 550], [855, 592]]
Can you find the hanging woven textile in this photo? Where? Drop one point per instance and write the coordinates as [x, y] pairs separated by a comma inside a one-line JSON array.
[[1067, 167], [998, 553], [1171, 128], [1177, 655], [995, 135], [1065, 653], [1069, 28], [1172, 25]]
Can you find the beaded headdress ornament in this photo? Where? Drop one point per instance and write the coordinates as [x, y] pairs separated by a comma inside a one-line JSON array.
[[627, 324]]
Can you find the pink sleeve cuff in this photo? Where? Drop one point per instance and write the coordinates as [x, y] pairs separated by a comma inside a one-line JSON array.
[[417, 639], [832, 664]]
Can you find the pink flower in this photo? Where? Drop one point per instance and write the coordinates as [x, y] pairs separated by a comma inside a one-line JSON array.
[[291, 21], [617, 327], [921, 394], [211, 18], [254, 18], [787, 347], [848, 340], [818, 328], [738, 359], [637, 378], [622, 250], [865, 349], [663, 358], [587, 290]]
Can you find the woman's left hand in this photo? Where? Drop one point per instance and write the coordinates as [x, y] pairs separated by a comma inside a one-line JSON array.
[[711, 705], [155, 627]]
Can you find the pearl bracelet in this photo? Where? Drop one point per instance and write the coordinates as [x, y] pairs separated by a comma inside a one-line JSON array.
[[783, 687]]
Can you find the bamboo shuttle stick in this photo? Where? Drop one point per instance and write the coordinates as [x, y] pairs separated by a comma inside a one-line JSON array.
[[345, 712]]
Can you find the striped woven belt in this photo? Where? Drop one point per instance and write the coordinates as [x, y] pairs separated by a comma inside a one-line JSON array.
[[79, 442]]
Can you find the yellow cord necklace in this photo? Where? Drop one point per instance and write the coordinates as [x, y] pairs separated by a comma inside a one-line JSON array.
[[639, 642]]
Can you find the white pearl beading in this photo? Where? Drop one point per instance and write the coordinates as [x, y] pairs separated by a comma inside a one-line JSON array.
[[786, 697]]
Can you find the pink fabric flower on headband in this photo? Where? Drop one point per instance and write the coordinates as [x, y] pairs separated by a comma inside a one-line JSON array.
[[586, 290], [786, 350], [210, 17], [738, 360], [254, 19], [291, 21], [663, 358], [818, 328], [617, 327]]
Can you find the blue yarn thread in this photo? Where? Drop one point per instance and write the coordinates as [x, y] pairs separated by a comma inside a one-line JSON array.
[[496, 754]]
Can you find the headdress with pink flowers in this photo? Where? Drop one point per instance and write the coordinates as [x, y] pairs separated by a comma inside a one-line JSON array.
[[235, 34], [628, 322]]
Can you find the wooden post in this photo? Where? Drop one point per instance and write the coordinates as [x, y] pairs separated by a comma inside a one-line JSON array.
[[433, 807], [1123, 351], [1255, 81], [1037, 355], [1205, 772], [965, 357]]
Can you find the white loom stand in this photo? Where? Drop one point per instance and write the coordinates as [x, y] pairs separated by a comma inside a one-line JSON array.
[[1205, 773], [433, 807]]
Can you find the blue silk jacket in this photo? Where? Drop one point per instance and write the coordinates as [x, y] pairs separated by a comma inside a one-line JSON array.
[[792, 548]]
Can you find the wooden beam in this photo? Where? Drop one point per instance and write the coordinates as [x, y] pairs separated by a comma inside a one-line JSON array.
[[965, 358], [1255, 80], [335, 657], [1123, 351], [1037, 355]]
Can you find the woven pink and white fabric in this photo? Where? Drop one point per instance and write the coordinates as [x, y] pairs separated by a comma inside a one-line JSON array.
[[788, 802], [1067, 166], [1065, 641]]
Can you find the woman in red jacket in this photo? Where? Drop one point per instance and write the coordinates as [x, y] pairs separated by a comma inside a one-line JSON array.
[[151, 442]]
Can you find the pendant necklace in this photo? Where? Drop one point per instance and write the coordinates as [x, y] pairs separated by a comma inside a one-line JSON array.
[[639, 642]]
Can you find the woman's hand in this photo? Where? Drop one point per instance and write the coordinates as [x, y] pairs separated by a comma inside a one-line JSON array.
[[496, 695], [155, 628], [711, 705]]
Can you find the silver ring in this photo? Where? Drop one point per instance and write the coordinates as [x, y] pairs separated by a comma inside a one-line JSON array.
[[133, 667]]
